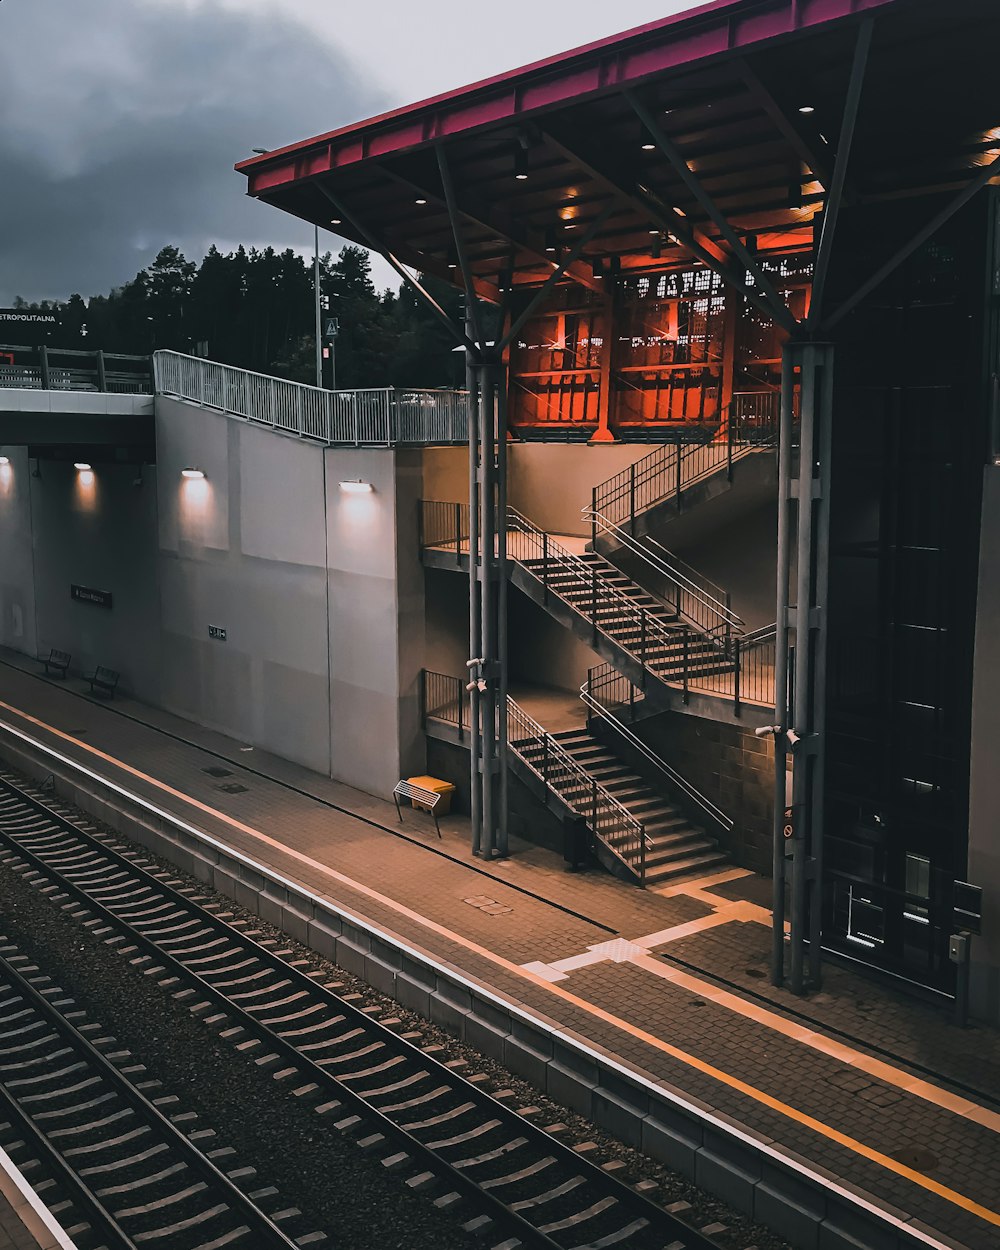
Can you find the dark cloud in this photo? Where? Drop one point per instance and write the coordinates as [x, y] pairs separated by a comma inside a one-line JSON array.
[[120, 121]]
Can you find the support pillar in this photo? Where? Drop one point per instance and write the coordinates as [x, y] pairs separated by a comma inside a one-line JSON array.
[[488, 605], [800, 661]]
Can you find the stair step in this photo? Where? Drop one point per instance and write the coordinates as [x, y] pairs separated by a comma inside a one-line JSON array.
[[682, 867]]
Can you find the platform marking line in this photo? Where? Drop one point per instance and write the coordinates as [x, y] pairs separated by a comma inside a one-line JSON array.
[[656, 1043]]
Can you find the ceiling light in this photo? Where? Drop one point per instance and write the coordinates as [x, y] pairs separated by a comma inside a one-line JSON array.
[[335, 221], [654, 232], [81, 466], [806, 109], [355, 486], [649, 147], [193, 473], [679, 211], [420, 200], [521, 165]]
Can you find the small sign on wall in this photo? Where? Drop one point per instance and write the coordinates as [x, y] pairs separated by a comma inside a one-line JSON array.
[[217, 632], [87, 594]]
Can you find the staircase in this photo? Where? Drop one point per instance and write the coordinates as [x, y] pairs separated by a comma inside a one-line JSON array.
[[677, 475], [609, 611], [675, 846]]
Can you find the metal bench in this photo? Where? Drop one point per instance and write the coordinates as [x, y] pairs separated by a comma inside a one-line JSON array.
[[57, 664], [407, 790], [104, 682]]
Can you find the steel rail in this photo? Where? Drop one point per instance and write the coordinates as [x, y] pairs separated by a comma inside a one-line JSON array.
[[244, 1208], [631, 1202]]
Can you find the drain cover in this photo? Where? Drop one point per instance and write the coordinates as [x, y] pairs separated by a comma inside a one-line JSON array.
[[917, 1157], [234, 787], [216, 771]]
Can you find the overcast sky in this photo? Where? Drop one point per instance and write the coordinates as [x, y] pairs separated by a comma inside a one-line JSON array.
[[120, 120]]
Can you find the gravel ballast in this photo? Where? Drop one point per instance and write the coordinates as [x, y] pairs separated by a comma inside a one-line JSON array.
[[341, 1190]]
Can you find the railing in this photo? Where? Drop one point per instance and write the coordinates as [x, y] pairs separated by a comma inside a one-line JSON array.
[[377, 417], [750, 679], [669, 470], [603, 602], [445, 525], [748, 675], [602, 693], [61, 369], [619, 831], [705, 605]]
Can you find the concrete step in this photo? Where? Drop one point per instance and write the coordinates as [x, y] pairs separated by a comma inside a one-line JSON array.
[[683, 867]]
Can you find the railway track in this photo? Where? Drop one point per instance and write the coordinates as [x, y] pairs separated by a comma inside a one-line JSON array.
[[123, 1171], [508, 1180]]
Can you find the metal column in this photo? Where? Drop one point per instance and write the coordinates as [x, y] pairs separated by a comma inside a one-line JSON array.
[[488, 594], [475, 648], [800, 657]]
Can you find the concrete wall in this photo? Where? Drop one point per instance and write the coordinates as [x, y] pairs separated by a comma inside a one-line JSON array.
[[551, 482], [244, 550], [17, 576], [984, 782], [543, 652], [729, 765], [320, 592], [93, 529], [446, 474]]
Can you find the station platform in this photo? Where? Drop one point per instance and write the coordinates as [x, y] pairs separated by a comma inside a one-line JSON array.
[[859, 1081], [25, 1223]]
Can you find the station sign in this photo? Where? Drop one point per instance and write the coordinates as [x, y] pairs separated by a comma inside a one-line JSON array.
[[27, 326], [87, 594]]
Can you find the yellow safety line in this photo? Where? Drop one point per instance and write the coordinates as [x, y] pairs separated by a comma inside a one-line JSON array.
[[657, 1043]]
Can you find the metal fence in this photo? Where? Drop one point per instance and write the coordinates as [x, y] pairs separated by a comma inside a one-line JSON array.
[[376, 417], [50, 369], [752, 677], [669, 470]]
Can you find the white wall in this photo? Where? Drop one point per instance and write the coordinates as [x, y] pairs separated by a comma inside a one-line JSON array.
[[984, 782], [320, 592], [17, 578], [92, 529], [551, 482]]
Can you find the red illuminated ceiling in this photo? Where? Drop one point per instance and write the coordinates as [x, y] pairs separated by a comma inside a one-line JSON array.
[[538, 156]]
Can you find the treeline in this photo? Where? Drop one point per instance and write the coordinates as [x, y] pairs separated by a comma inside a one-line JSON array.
[[255, 309]]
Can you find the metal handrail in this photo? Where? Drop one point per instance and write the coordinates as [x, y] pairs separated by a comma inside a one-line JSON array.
[[595, 681], [672, 467], [604, 595], [444, 699], [729, 621], [605, 816], [371, 417]]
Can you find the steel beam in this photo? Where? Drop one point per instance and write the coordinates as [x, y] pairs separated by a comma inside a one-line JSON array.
[[376, 245], [778, 308], [700, 248], [479, 215], [472, 312], [835, 195], [800, 651], [768, 105], [575, 253], [919, 239]]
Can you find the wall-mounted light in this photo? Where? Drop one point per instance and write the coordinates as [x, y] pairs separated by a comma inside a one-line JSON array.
[[193, 474], [81, 466], [4, 460], [355, 486]]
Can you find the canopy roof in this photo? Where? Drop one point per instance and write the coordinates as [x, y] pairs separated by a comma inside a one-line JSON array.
[[611, 143]]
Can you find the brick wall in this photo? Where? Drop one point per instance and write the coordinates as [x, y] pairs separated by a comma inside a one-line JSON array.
[[726, 763]]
